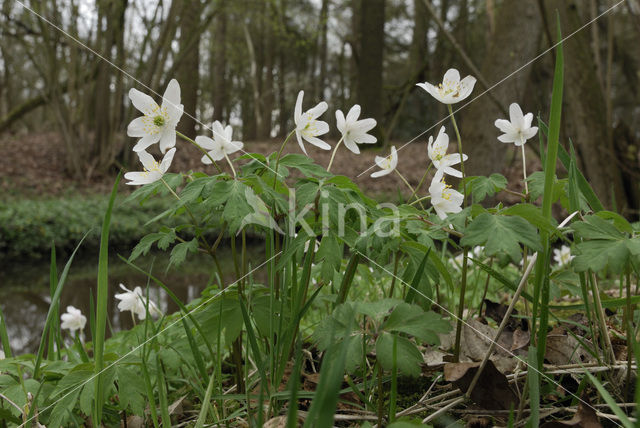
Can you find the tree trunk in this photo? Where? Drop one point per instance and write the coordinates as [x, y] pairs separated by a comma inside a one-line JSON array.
[[584, 108], [188, 72], [219, 66], [321, 83], [369, 90], [479, 135]]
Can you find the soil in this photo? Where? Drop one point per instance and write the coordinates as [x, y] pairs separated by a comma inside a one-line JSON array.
[[33, 165]]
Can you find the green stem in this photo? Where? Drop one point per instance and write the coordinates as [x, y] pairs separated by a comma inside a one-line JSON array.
[[404, 180], [463, 282], [284, 143], [524, 171], [333, 154], [424, 198], [184, 137], [230, 164], [424, 177]]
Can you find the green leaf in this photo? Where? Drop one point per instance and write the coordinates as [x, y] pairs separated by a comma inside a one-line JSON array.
[[330, 252], [409, 358], [412, 320], [481, 186], [501, 234], [179, 252], [598, 253], [533, 214], [536, 186], [304, 164]]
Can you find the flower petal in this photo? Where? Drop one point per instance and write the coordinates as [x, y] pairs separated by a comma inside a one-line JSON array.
[[350, 144], [145, 142], [166, 160], [137, 127], [451, 75], [354, 113], [515, 115], [299, 137], [340, 121], [167, 140], [205, 142], [143, 102], [318, 110], [317, 142], [297, 112]]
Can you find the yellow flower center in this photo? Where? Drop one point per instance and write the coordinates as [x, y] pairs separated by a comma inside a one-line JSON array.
[[446, 193], [158, 120], [448, 86], [154, 122]]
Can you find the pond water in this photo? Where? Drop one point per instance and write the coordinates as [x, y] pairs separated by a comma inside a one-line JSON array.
[[25, 298]]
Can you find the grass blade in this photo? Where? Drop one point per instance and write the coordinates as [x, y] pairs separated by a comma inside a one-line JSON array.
[[56, 297], [541, 288], [101, 305]]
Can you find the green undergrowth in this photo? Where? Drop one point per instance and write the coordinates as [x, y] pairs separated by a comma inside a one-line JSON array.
[[28, 227]]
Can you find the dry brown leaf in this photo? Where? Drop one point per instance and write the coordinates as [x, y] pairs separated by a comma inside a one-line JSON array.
[[585, 418], [563, 348], [277, 422], [492, 391]]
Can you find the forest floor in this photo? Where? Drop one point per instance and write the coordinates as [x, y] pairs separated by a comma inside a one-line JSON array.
[[33, 165]]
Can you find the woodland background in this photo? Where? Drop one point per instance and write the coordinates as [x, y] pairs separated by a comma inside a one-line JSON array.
[[244, 61]]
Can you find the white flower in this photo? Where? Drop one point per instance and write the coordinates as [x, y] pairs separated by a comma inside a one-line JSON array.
[[518, 128], [388, 164], [135, 302], [562, 256], [158, 123], [153, 171], [2, 356], [457, 261], [451, 90], [221, 144], [308, 127], [443, 198], [73, 319], [354, 131], [437, 151]]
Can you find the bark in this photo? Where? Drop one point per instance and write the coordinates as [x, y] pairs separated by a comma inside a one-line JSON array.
[[322, 54], [479, 135], [369, 89], [188, 69], [219, 66], [584, 108]]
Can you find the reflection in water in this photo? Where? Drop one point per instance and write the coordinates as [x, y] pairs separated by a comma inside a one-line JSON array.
[[25, 298]]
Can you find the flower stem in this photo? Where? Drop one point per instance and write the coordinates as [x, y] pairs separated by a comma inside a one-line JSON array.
[[284, 143], [424, 198], [184, 137], [421, 183], [463, 282], [524, 171], [408, 185], [333, 155], [230, 164]]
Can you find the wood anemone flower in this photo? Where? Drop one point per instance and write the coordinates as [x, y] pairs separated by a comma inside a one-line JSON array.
[[159, 122], [452, 89]]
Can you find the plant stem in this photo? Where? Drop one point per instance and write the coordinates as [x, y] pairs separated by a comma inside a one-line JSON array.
[[404, 180], [184, 137], [463, 282], [230, 164], [380, 396], [333, 155], [424, 198], [524, 171], [284, 143], [424, 176]]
